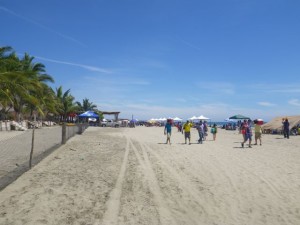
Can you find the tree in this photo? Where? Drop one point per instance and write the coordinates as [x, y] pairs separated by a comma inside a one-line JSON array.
[[65, 104], [5, 100], [11, 80], [86, 106], [22, 82], [36, 74]]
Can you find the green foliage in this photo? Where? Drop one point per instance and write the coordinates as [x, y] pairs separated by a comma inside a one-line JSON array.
[[86, 106], [24, 88]]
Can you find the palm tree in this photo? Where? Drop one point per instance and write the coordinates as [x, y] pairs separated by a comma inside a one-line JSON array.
[[49, 101], [65, 104], [35, 76], [41, 92], [10, 79], [86, 106], [22, 81]]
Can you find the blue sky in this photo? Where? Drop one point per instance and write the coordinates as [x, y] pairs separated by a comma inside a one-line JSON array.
[[165, 58]]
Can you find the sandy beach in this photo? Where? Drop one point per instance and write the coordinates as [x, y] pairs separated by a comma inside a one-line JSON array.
[[129, 176]]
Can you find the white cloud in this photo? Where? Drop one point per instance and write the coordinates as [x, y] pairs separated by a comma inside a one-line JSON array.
[[120, 82], [268, 104], [287, 90], [87, 67], [295, 102], [146, 111], [278, 88]]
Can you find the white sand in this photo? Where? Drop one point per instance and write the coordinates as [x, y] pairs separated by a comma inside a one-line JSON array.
[[128, 176]]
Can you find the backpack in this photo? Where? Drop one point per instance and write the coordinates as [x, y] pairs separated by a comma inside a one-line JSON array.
[[213, 130]]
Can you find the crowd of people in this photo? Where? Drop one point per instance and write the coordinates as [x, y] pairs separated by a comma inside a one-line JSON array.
[[245, 128], [185, 129], [246, 131]]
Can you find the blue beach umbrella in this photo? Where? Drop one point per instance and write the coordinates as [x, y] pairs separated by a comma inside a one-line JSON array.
[[89, 114]]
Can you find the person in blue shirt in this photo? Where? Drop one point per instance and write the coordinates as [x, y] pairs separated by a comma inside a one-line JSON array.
[[168, 131]]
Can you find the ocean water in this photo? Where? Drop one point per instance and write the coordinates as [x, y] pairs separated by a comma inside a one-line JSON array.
[[220, 124]]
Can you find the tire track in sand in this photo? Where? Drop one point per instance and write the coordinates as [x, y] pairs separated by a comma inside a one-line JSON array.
[[110, 216], [164, 213], [200, 198]]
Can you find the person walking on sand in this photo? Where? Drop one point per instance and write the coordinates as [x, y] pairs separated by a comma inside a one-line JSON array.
[[243, 129], [168, 131], [205, 130], [214, 131], [248, 134], [179, 126], [257, 132], [286, 128], [200, 128], [187, 131]]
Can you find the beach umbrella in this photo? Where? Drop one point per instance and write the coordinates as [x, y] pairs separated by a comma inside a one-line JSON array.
[[202, 118], [193, 118], [239, 117], [177, 119], [89, 114], [259, 121]]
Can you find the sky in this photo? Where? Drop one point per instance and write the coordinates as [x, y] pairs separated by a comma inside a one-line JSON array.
[[165, 58]]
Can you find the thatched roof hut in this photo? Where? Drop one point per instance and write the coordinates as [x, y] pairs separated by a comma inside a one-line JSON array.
[[276, 123]]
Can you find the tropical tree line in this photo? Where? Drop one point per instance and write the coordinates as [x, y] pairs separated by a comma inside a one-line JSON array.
[[25, 92]]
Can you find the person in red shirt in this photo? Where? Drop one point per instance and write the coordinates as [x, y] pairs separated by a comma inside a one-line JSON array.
[[248, 133]]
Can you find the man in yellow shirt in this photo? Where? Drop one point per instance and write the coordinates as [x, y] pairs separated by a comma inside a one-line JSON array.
[[257, 132], [187, 131]]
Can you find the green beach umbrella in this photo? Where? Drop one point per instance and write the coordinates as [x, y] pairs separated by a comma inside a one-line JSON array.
[[239, 117]]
